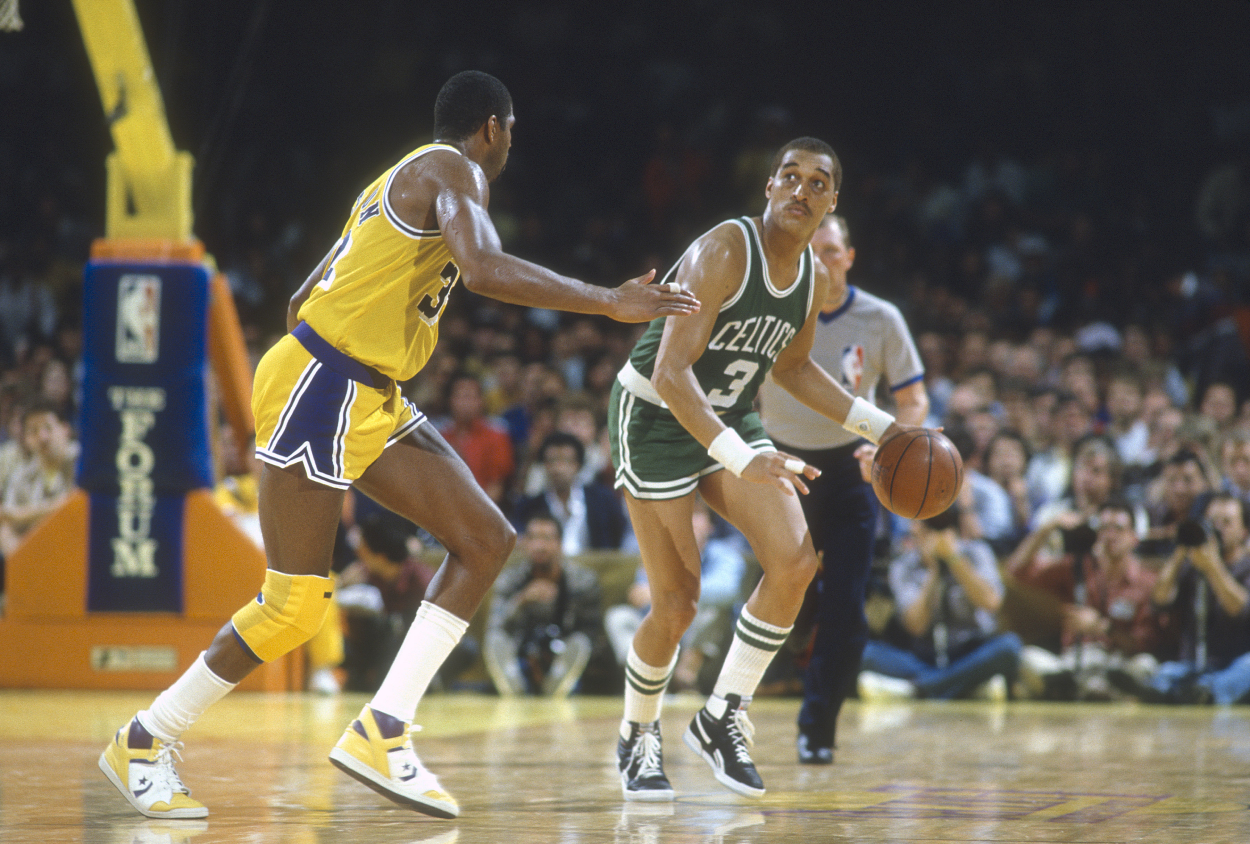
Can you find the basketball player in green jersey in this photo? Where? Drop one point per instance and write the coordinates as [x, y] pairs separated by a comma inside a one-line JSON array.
[[329, 415], [681, 420]]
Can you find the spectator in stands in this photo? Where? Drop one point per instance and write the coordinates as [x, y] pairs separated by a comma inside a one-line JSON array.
[[1205, 583], [590, 514], [986, 508], [1096, 477], [42, 481], [1235, 464], [1126, 424], [722, 568], [1219, 404], [379, 594], [1062, 421], [1174, 497], [1106, 618], [546, 619], [482, 442], [947, 591], [1006, 459]]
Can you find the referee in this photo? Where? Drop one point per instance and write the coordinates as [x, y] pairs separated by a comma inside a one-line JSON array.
[[860, 339]]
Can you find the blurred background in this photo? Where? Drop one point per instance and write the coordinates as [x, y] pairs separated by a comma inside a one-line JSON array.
[[1104, 145], [1052, 193]]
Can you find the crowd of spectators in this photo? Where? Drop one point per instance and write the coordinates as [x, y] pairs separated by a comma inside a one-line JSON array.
[[1084, 338]]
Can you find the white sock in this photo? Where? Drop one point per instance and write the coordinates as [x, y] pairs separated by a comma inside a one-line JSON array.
[[644, 689], [181, 705], [428, 643], [754, 645]]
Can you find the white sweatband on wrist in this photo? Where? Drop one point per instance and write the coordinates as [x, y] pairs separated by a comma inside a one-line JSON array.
[[867, 420], [729, 450]]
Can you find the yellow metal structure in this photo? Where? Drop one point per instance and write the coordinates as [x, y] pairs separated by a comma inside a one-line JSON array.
[[149, 182]]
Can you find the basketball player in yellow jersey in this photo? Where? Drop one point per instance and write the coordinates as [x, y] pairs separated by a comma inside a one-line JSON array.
[[329, 414]]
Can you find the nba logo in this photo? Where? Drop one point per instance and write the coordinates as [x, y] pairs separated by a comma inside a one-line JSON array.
[[852, 367], [138, 318]]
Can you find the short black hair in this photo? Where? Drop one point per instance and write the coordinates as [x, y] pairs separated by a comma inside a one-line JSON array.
[[384, 536], [562, 438], [466, 101], [542, 514], [1120, 504], [816, 145]]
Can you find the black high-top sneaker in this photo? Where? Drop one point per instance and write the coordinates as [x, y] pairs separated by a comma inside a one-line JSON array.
[[642, 764], [721, 733]]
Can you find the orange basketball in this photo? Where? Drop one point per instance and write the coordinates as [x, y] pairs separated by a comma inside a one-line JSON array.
[[917, 474]]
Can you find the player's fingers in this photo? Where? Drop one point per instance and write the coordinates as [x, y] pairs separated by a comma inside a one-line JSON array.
[[645, 278], [798, 467]]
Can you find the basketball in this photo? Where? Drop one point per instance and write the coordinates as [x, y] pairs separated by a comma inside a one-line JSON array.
[[917, 474]]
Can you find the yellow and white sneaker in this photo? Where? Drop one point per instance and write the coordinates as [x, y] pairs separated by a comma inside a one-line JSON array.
[[141, 767], [377, 750]]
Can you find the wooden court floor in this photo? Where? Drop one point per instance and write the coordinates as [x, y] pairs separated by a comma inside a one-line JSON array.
[[543, 772]]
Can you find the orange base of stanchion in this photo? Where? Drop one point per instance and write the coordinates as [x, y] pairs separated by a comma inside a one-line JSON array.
[[49, 640]]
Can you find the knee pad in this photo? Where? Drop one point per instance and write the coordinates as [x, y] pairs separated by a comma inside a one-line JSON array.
[[287, 613]]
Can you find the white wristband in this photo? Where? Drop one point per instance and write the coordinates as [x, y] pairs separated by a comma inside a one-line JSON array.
[[867, 420], [729, 450]]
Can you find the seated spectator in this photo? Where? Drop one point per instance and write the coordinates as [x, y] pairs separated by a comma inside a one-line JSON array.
[[722, 568], [590, 514], [986, 508], [1205, 584], [1107, 616], [238, 491], [42, 481], [1096, 478], [1235, 464], [1062, 421], [1218, 403], [1173, 498], [1126, 425], [947, 591], [546, 621], [482, 442], [379, 594], [1006, 458]]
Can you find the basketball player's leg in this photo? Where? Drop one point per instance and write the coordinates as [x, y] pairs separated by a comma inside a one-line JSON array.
[[421, 478], [670, 557], [298, 521], [774, 525]]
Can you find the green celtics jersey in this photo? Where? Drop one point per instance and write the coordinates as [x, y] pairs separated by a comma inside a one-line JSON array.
[[753, 326]]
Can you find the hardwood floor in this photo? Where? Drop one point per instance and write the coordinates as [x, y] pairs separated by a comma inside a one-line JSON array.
[[543, 772]]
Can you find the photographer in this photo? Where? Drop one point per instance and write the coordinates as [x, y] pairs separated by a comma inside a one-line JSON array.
[[1107, 619], [1205, 583], [947, 591], [545, 618]]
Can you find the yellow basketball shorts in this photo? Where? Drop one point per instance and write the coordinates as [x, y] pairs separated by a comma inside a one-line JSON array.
[[327, 412]]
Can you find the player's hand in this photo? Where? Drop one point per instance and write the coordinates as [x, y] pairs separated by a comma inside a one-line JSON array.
[[784, 471], [638, 300], [865, 455]]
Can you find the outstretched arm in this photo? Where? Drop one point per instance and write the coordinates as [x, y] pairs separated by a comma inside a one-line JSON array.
[[460, 197], [711, 269]]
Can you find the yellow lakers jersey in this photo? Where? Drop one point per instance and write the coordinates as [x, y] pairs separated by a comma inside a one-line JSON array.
[[386, 285]]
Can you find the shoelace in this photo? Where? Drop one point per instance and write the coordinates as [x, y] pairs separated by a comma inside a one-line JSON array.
[[647, 754], [164, 767], [742, 734]]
